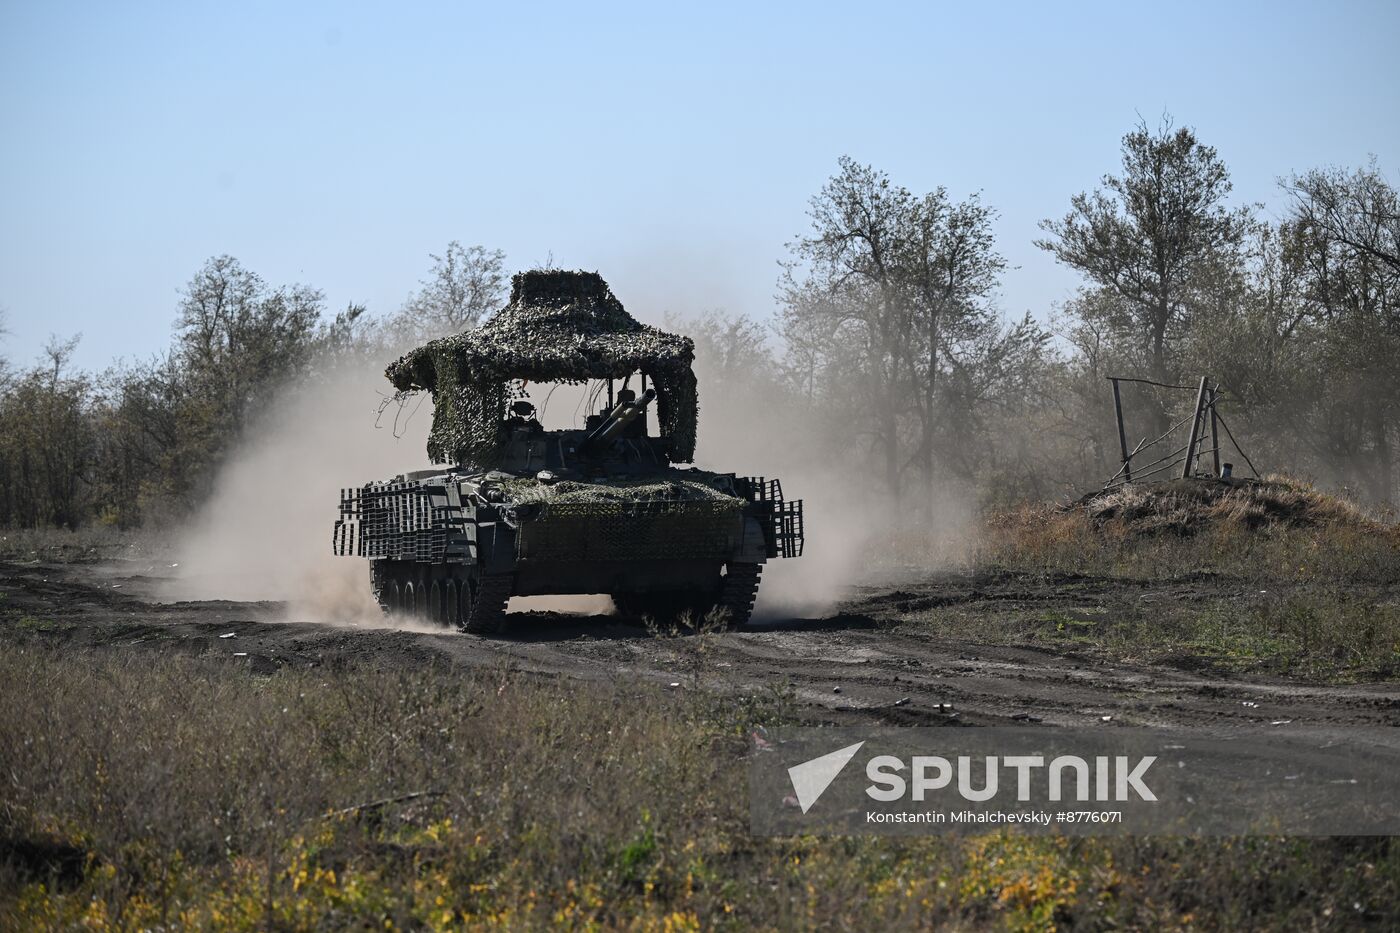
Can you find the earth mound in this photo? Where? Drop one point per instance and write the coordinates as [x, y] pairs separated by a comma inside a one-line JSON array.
[[1185, 506]]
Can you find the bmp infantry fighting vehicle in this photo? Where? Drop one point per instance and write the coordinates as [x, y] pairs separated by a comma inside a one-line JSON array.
[[597, 509]]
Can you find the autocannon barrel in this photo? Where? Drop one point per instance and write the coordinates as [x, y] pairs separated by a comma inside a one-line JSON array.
[[617, 420]]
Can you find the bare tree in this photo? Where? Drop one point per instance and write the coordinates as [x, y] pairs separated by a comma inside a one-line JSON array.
[[238, 340], [1357, 210], [46, 448], [843, 283], [1158, 237], [144, 468], [236, 333], [951, 266], [1344, 244], [890, 291], [465, 283]]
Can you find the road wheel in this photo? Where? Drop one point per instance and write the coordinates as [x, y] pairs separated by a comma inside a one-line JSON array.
[[437, 603], [452, 612]]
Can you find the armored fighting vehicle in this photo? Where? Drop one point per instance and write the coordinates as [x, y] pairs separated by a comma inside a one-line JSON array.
[[603, 507]]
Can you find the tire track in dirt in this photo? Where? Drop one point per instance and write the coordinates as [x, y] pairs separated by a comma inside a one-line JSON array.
[[864, 664]]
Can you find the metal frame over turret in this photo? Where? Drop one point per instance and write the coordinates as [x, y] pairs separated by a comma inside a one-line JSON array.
[[558, 327]]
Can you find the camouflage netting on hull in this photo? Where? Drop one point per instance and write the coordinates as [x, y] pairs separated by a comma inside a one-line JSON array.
[[558, 327], [618, 492], [645, 519]]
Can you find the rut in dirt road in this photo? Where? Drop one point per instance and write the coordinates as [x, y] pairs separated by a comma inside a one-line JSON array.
[[865, 664]]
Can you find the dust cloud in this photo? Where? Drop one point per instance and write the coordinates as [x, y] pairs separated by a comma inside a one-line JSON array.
[[265, 533], [855, 531]]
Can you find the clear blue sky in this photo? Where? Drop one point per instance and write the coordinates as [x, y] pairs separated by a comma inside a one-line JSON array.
[[672, 147]]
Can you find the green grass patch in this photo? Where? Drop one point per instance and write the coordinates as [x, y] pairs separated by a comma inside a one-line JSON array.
[[34, 625]]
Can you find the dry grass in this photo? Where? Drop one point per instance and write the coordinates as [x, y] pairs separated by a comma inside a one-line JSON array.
[[1185, 506], [1271, 577], [1322, 636], [1278, 530], [189, 793]]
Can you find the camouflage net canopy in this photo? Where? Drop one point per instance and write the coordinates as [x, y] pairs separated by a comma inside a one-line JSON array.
[[558, 327]]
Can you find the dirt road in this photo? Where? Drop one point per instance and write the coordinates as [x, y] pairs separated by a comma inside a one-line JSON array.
[[865, 662]]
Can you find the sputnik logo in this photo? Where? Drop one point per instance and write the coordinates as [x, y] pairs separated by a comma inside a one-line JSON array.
[[811, 778]]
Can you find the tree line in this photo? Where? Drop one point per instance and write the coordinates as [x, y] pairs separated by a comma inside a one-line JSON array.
[[142, 441], [890, 334], [888, 342]]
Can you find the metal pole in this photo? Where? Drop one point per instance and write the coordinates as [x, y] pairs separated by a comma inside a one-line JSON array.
[[1214, 435], [1122, 438], [1195, 432]]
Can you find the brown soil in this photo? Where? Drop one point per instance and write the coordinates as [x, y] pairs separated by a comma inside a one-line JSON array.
[[888, 669]]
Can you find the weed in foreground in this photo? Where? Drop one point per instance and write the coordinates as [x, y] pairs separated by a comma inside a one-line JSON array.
[[187, 794]]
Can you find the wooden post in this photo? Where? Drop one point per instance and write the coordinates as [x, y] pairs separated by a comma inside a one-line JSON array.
[[1195, 432], [1122, 438], [1214, 434]]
